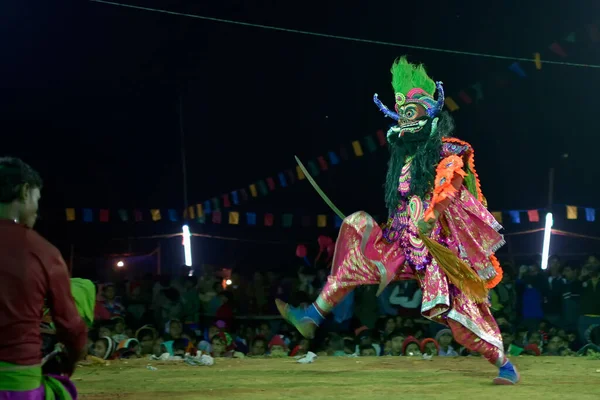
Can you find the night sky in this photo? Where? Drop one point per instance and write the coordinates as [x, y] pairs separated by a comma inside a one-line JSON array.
[[90, 99]]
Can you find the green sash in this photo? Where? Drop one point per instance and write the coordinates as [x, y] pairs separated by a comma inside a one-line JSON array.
[[84, 294], [23, 378]]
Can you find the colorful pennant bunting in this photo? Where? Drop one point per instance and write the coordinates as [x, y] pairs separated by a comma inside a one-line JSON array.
[[234, 218], [557, 48], [226, 202], [451, 104], [534, 215], [333, 158], [217, 217], [516, 68], [207, 207], [253, 191], [103, 215], [358, 152], [590, 214], [313, 169], [571, 212], [321, 221], [282, 180], [123, 215], [370, 144], [515, 217], [478, 89], [300, 173], [262, 188], [269, 218], [155, 215], [381, 137], [287, 220], [465, 97], [322, 163], [538, 61], [498, 216]]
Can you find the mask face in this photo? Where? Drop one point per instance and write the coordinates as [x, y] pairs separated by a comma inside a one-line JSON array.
[[412, 118]]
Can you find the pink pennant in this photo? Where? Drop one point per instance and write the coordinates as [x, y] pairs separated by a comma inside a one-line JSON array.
[[322, 163], [555, 47], [381, 137], [226, 202], [103, 217], [465, 97], [534, 215]]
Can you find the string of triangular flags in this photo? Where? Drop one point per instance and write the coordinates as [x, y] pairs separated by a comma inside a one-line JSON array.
[[571, 213], [285, 178], [473, 94], [220, 216], [215, 217]]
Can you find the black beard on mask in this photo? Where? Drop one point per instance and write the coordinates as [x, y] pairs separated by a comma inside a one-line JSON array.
[[425, 150]]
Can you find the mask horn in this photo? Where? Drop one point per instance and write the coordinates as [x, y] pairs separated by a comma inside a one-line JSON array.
[[384, 109], [440, 100]]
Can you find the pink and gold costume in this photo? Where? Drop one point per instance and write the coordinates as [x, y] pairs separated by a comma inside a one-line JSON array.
[[439, 231], [367, 254]]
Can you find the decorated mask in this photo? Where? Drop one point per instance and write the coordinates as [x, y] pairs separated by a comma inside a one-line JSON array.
[[416, 110]]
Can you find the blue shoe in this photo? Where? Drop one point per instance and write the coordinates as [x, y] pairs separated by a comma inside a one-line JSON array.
[[297, 317], [507, 375]]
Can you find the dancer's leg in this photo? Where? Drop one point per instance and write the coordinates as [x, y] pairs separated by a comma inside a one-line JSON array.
[[345, 279], [471, 341], [508, 374], [361, 258]]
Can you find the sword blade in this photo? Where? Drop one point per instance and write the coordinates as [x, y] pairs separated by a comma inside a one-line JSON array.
[[318, 189]]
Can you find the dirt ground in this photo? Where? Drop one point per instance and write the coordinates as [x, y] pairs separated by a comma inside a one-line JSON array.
[[340, 378]]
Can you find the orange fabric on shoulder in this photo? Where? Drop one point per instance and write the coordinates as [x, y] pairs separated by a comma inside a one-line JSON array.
[[445, 184]]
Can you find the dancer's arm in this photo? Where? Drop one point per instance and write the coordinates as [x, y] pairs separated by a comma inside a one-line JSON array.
[[448, 180]]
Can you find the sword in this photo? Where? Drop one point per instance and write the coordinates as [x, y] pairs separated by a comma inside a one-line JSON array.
[[318, 189]]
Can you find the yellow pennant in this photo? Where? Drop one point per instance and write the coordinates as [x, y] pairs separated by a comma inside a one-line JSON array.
[[498, 216], [571, 212], [70, 214], [538, 61], [451, 104], [234, 218], [357, 148], [321, 221], [300, 173], [253, 191], [191, 212], [155, 215], [199, 210]]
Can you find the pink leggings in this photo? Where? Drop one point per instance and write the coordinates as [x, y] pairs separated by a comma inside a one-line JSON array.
[[344, 280]]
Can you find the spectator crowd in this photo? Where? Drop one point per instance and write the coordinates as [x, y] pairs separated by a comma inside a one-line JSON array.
[[540, 313]]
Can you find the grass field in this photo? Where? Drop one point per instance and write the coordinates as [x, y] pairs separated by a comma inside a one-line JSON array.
[[341, 378]]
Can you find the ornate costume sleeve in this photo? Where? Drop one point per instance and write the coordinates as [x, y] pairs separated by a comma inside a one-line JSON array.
[[448, 180]]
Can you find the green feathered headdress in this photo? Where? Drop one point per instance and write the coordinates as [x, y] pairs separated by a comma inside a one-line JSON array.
[[412, 85], [407, 76]]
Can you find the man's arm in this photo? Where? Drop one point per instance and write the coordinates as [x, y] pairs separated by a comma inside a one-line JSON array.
[[70, 328]]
